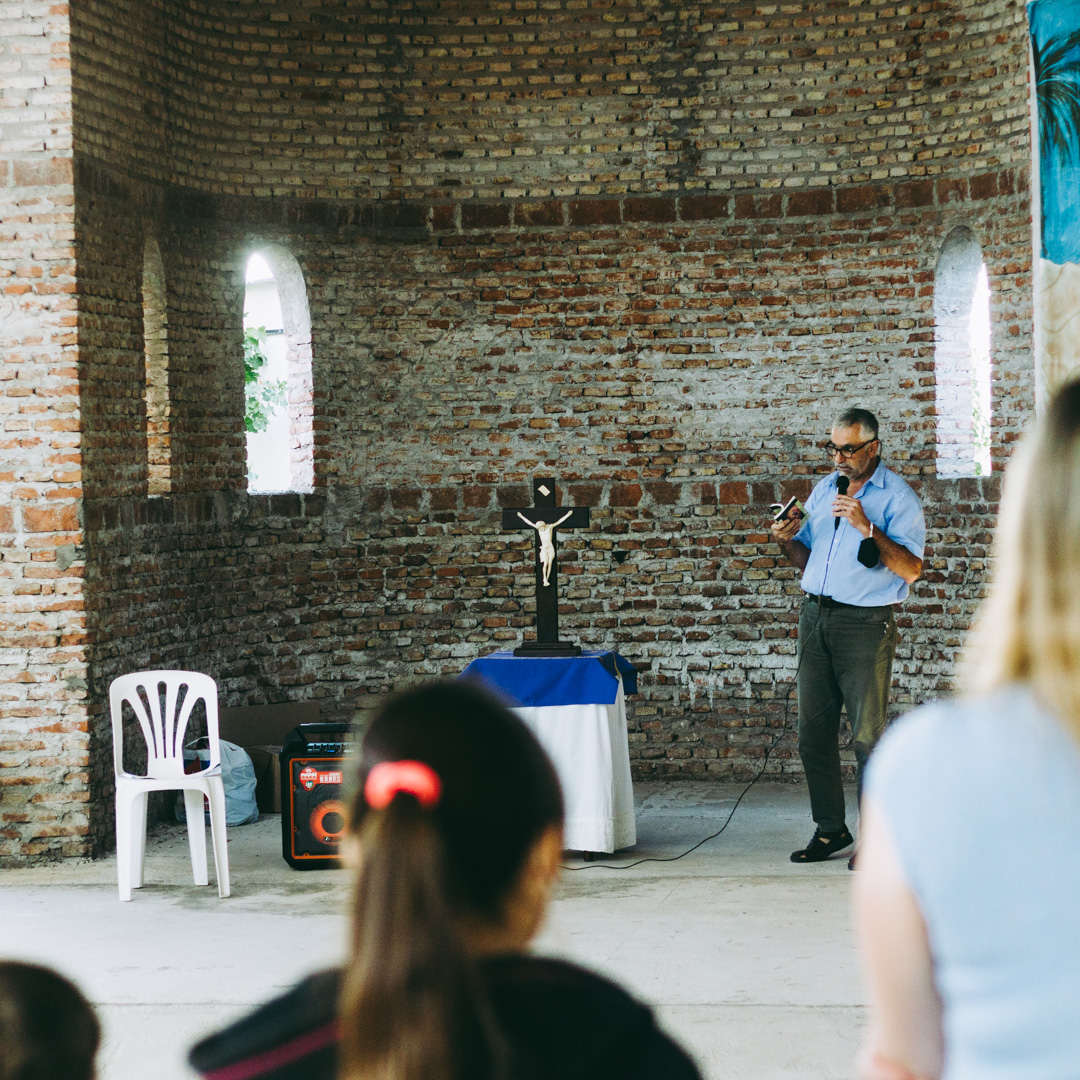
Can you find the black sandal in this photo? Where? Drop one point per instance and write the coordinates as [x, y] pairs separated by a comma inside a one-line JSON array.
[[823, 846]]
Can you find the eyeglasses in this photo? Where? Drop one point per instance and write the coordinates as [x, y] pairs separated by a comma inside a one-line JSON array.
[[831, 449]]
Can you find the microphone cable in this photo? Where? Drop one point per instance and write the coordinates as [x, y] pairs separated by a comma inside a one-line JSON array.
[[764, 761], [764, 764]]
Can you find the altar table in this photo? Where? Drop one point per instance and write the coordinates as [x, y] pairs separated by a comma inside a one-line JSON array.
[[576, 706]]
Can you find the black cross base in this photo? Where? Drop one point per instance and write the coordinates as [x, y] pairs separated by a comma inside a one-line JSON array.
[[553, 648], [545, 511]]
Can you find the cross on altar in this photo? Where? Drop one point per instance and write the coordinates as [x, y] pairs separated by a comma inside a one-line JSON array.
[[545, 517]]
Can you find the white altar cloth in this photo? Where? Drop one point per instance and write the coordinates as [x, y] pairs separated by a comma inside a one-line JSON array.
[[591, 754], [576, 706]]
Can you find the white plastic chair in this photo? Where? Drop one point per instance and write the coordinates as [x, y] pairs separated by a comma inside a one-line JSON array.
[[164, 731]]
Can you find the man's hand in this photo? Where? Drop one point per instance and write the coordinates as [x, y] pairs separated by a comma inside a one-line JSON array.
[[785, 530], [895, 556], [846, 507], [784, 534]]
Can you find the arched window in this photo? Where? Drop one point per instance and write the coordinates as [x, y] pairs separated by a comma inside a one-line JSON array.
[[962, 357], [156, 353], [279, 412]]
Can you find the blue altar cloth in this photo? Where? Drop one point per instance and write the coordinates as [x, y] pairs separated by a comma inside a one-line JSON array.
[[589, 679]]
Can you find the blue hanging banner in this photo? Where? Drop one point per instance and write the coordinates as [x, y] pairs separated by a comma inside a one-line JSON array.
[[1055, 41]]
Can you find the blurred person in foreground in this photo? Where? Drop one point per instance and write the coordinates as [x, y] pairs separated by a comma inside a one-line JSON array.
[[48, 1030], [455, 835], [970, 854]]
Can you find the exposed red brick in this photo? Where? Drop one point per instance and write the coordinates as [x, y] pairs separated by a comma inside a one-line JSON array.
[[624, 495], [865, 197], [285, 505], [477, 496], [918, 193], [405, 498], [586, 494], [951, 191], [806, 203], [483, 216], [758, 206], [983, 187], [50, 519], [401, 216], [649, 210], [512, 495], [444, 498], [800, 488], [442, 218], [595, 212], [543, 213], [703, 207], [664, 494]]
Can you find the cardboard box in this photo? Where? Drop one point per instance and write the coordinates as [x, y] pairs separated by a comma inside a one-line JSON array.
[[267, 777], [261, 731]]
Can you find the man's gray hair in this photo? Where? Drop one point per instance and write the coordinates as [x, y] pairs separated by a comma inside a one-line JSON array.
[[858, 418]]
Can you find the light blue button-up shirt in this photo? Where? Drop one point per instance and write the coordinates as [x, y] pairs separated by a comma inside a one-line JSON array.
[[833, 568]]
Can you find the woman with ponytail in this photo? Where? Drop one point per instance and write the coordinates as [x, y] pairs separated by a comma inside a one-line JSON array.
[[969, 860], [455, 836]]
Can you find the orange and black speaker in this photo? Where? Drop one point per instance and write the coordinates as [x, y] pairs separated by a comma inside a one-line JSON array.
[[312, 800]]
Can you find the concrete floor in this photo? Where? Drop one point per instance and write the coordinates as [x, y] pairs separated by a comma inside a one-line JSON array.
[[747, 958]]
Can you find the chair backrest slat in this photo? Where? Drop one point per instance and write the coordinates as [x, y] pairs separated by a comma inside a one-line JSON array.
[[163, 723], [172, 726], [147, 723]]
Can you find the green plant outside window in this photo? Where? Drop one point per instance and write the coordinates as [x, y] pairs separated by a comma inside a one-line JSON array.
[[262, 397]]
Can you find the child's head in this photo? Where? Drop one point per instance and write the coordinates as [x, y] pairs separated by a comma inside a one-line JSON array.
[[499, 792], [48, 1030], [457, 826]]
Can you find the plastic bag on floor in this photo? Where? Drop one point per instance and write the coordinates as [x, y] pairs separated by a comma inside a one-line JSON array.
[[237, 776]]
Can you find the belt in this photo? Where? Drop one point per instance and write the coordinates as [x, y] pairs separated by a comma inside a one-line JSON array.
[[828, 601]]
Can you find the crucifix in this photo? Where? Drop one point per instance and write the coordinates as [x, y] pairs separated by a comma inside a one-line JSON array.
[[545, 517]]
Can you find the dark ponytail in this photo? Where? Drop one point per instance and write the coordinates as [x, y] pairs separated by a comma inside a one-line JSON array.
[[407, 986], [412, 1007]]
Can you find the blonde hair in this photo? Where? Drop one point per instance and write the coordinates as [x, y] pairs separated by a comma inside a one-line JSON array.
[[1028, 630]]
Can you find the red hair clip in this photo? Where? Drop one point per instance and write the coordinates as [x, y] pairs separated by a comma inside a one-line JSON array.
[[389, 778]]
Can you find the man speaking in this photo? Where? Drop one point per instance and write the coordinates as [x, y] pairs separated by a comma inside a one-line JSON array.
[[859, 547]]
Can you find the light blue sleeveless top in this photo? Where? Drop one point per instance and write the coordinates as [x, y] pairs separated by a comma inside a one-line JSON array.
[[983, 799]]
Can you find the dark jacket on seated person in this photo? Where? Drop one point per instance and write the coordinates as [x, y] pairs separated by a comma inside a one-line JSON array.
[[558, 1020]]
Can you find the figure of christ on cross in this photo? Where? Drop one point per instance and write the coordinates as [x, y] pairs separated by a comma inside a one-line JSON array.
[[547, 547], [545, 517]]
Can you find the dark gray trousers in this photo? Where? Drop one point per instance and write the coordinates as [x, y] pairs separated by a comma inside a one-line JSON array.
[[845, 660]]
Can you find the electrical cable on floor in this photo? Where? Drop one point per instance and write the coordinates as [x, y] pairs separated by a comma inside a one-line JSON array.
[[764, 763], [713, 836]]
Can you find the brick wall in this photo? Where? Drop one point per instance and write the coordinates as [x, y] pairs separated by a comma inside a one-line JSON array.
[[649, 249], [418, 99], [122, 74], [44, 730], [676, 376]]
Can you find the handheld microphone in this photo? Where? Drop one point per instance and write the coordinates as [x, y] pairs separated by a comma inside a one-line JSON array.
[[842, 483]]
